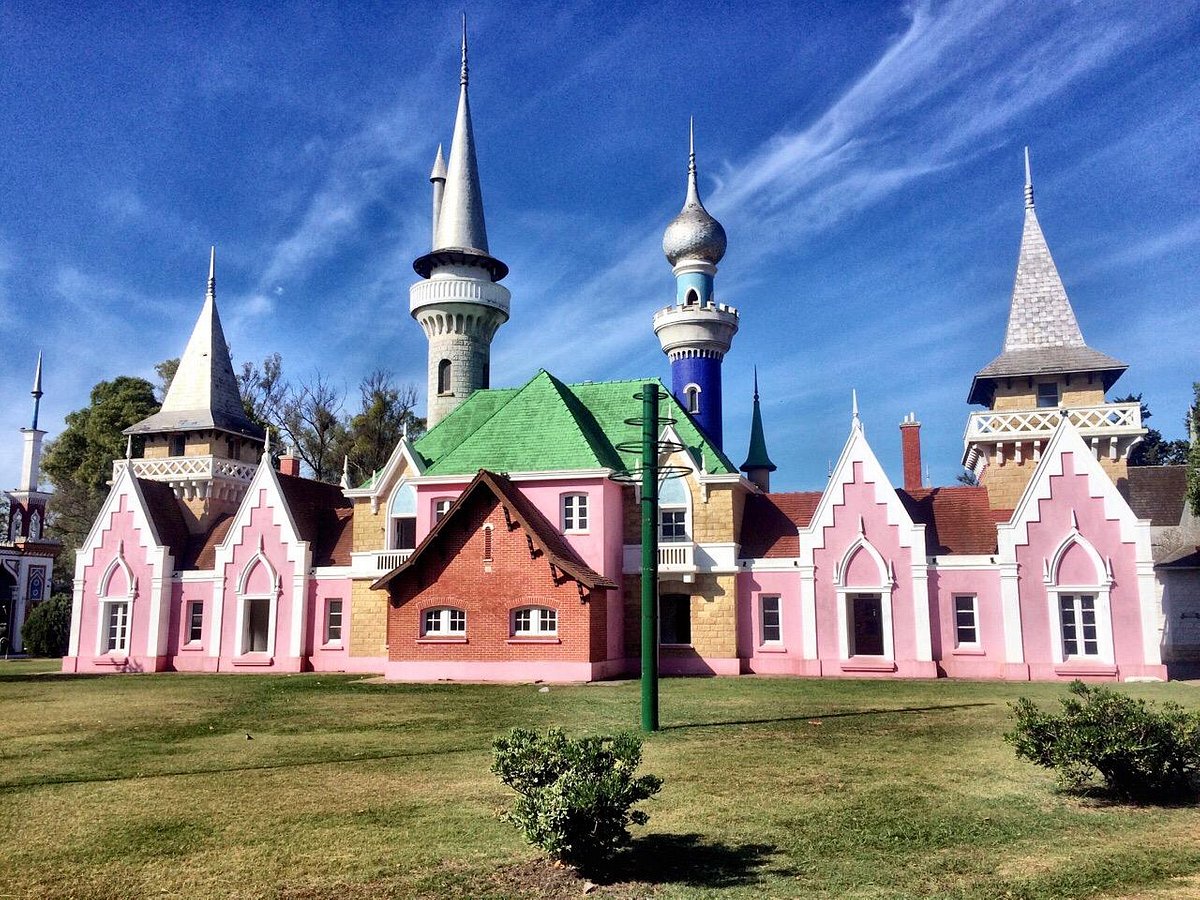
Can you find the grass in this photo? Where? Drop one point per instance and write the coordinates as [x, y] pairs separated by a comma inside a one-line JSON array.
[[123, 786]]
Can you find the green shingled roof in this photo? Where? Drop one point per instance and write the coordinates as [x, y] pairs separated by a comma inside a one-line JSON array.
[[550, 426]]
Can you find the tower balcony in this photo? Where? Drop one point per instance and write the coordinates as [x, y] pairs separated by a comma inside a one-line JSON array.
[[696, 328], [194, 476], [455, 290], [1110, 429]]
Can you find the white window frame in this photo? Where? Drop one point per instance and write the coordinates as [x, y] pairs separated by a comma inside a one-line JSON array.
[[1103, 607], [662, 531], [847, 592], [574, 512], [107, 601], [192, 605], [242, 634], [108, 607], [538, 617], [691, 395], [441, 506], [763, 600], [330, 611], [444, 617], [393, 521], [973, 599]]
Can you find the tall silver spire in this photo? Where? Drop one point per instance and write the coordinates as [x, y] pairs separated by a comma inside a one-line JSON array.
[[37, 390], [460, 223], [693, 234]]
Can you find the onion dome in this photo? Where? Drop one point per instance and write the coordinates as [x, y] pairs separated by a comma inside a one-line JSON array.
[[694, 234]]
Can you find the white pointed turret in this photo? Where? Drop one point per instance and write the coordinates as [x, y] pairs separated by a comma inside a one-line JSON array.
[[31, 454], [204, 393], [461, 305]]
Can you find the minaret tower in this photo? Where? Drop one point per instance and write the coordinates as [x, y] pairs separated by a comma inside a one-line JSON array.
[[201, 441], [696, 331], [460, 303], [758, 466], [27, 504], [1045, 372]]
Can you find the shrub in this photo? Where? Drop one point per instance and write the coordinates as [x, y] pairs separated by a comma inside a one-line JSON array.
[[574, 797], [1140, 751], [48, 627]]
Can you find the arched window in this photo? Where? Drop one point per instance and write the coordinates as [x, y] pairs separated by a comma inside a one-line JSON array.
[[691, 396], [1078, 584], [864, 582], [14, 527], [691, 298], [258, 593], [443, 383], [574, 512], [35, 525], [117, 590], [534, 621], [444, 621], [402, 515]]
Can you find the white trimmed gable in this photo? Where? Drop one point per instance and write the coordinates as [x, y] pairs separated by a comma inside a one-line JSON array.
[[404, 461]]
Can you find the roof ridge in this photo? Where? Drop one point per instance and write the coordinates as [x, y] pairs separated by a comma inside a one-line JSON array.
[[595, 437]]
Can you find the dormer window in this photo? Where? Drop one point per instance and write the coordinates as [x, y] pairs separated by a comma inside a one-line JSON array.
[[1047, 395], [177, 443]]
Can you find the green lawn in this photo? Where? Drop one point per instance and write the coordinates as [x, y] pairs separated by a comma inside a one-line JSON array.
[[136, 786]]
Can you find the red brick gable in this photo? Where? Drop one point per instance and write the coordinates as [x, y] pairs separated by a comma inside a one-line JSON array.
[[488, 560]]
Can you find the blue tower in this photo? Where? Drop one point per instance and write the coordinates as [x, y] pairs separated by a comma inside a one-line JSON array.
[[696, 331]]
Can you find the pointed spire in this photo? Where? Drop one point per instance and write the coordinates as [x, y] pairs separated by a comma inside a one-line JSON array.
[[212, 272], [694, 233], [758, 464], [438, 173], [37, 391], [460, 223], [345, 482], [1028, 182], [855, 422]]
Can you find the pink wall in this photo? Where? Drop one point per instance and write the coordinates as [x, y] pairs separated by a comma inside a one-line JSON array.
[[121, 529], [190, 656], [331, 657], [987, 660], [788, 657]]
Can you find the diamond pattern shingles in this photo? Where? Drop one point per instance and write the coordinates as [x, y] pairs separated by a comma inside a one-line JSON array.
[[1041, 314]]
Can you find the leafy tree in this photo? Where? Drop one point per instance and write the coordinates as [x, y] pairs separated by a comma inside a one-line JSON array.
[[968, 477], [314, 426], [1193, 458], [48, 627], [166, 374], [387, 411], [264, 391], [1152, 450], [78, 463]]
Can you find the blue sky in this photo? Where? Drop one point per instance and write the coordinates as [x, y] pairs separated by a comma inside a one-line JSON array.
[[865, 159]]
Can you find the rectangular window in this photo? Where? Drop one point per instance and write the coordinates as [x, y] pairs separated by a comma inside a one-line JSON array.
[[675, 619], [1079, 633], [574, 512], [1047, 395], [966, 621], [195, 622], [867, 625], [406, 533], [673, 525], [117, 639], [258, 623], [333, 621], [440, 508], [535, 620], [772, 630], [445, 621]]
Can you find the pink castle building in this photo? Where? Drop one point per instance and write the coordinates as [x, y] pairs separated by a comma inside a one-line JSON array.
[[499, 545]]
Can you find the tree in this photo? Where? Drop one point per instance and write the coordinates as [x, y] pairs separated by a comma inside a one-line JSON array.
[[1193, 457], [1152, 450], [387, 412], [313, 424], [264, 391], [166, 374], [78, 463], [48, 627]]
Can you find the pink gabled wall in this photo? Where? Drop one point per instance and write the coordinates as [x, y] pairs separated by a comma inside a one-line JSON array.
[[1046, 533], [190, 656], [260, 525], [859, 503], [121, 532]]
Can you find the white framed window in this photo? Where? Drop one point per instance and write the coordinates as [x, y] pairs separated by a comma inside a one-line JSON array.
[[333, 620], [116, 626], [195, 621], [673, 501], [691, 395], [441, 506], [574, 512], [444, 377], [532, 621], [1080, 629], [672, 525], [771, 620], [443, 621], [966, 620], [402, 512]]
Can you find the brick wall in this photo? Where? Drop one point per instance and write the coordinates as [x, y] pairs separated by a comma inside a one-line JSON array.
[[454, 573]]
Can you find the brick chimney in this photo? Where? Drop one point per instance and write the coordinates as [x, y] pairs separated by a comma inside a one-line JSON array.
[[910, 450], [289, 463]]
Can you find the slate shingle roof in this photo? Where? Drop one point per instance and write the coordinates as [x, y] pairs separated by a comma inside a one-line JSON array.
[[1157, 493]]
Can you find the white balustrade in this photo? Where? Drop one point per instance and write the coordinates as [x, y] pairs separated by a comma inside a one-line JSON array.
[[1110, 420], [188, 468]]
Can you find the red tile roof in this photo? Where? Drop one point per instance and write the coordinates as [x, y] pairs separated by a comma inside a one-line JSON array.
[[770, 523], [323, 517], [542, 533], [202, 549], [957, 521]]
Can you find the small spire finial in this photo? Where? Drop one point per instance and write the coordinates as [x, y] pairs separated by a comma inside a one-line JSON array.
[[129, 447], [692, 147], [756, 383], [854, 420], [463, 78], [1028, 182], [267, 443], [212, 271], [37, 390], [345, 483]]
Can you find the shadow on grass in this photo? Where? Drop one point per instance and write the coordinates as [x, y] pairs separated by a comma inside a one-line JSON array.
[[816, 717], [691, 860]]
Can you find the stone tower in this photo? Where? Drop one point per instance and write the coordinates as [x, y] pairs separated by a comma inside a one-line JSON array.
[[696, 331], [1046, 371], [201, 442], [460, 303]]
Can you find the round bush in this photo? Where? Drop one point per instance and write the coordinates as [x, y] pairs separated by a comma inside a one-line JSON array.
[[48, 627]]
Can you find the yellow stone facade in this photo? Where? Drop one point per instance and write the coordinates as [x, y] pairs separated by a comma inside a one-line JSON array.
[[368, 620], [1021, 393], [714, 613]]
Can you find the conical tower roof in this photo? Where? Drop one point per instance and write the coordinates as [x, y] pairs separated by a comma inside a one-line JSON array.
[[757, 457], [1043, 335], [204, 392]]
